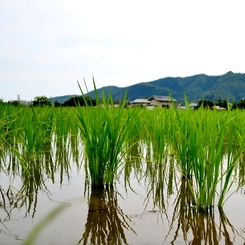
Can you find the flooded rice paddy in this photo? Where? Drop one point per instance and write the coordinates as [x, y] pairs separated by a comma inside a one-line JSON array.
[[168, 176], [149, 204]]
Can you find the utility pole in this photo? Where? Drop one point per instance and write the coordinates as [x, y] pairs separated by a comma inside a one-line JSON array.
[[18, 99]]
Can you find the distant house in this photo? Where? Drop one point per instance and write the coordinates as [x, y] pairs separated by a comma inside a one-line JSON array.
[[140, 102], [162, 101], [218, 108], [192, 106]]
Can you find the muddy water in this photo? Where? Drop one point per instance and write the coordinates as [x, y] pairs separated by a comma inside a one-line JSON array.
[[140, 214]]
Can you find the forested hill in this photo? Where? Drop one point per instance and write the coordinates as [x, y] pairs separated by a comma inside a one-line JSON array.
[[230, 86]]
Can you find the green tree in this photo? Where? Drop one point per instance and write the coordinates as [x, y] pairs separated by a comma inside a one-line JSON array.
[[80, 100], [14, 102], [41, 101], [57, 104], [241, 104], [205, 103], [222, 103]]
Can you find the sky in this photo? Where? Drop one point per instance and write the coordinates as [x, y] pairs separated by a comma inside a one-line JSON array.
[[47, 47]]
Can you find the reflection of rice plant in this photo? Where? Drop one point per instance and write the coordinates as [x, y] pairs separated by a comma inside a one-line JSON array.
[[106, 221], [202, 225], [133, 162], [11, 199], [104, 130], [160, 182]]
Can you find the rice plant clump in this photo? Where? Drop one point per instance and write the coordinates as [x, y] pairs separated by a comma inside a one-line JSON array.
[[104, 129]]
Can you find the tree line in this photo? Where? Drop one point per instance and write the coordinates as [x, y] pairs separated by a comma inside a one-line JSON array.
[[42, 101], [222, 103], [82, 101]]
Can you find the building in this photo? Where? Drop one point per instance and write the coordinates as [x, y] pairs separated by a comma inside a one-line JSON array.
[[155, 100], [162, 101], [140, 102]]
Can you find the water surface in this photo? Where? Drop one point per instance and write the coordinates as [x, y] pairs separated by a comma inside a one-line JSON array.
[[134, 215]]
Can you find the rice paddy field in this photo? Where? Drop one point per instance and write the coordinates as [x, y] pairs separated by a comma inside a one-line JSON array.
[[106, 175]]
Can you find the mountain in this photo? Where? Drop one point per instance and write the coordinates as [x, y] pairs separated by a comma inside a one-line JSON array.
[[230, 86]]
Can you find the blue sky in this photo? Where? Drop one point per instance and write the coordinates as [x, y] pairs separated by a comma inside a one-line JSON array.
[[47, 46]]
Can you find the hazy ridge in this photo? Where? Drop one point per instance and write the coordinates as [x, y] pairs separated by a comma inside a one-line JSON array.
[[230, 86]]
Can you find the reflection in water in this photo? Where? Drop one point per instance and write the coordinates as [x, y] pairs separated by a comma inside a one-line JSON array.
[[26, 179], [197, 227], [160, 183], [25, 196], [106, 221], [133, 163], [241, 172], [10, 199], [14, 200]]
